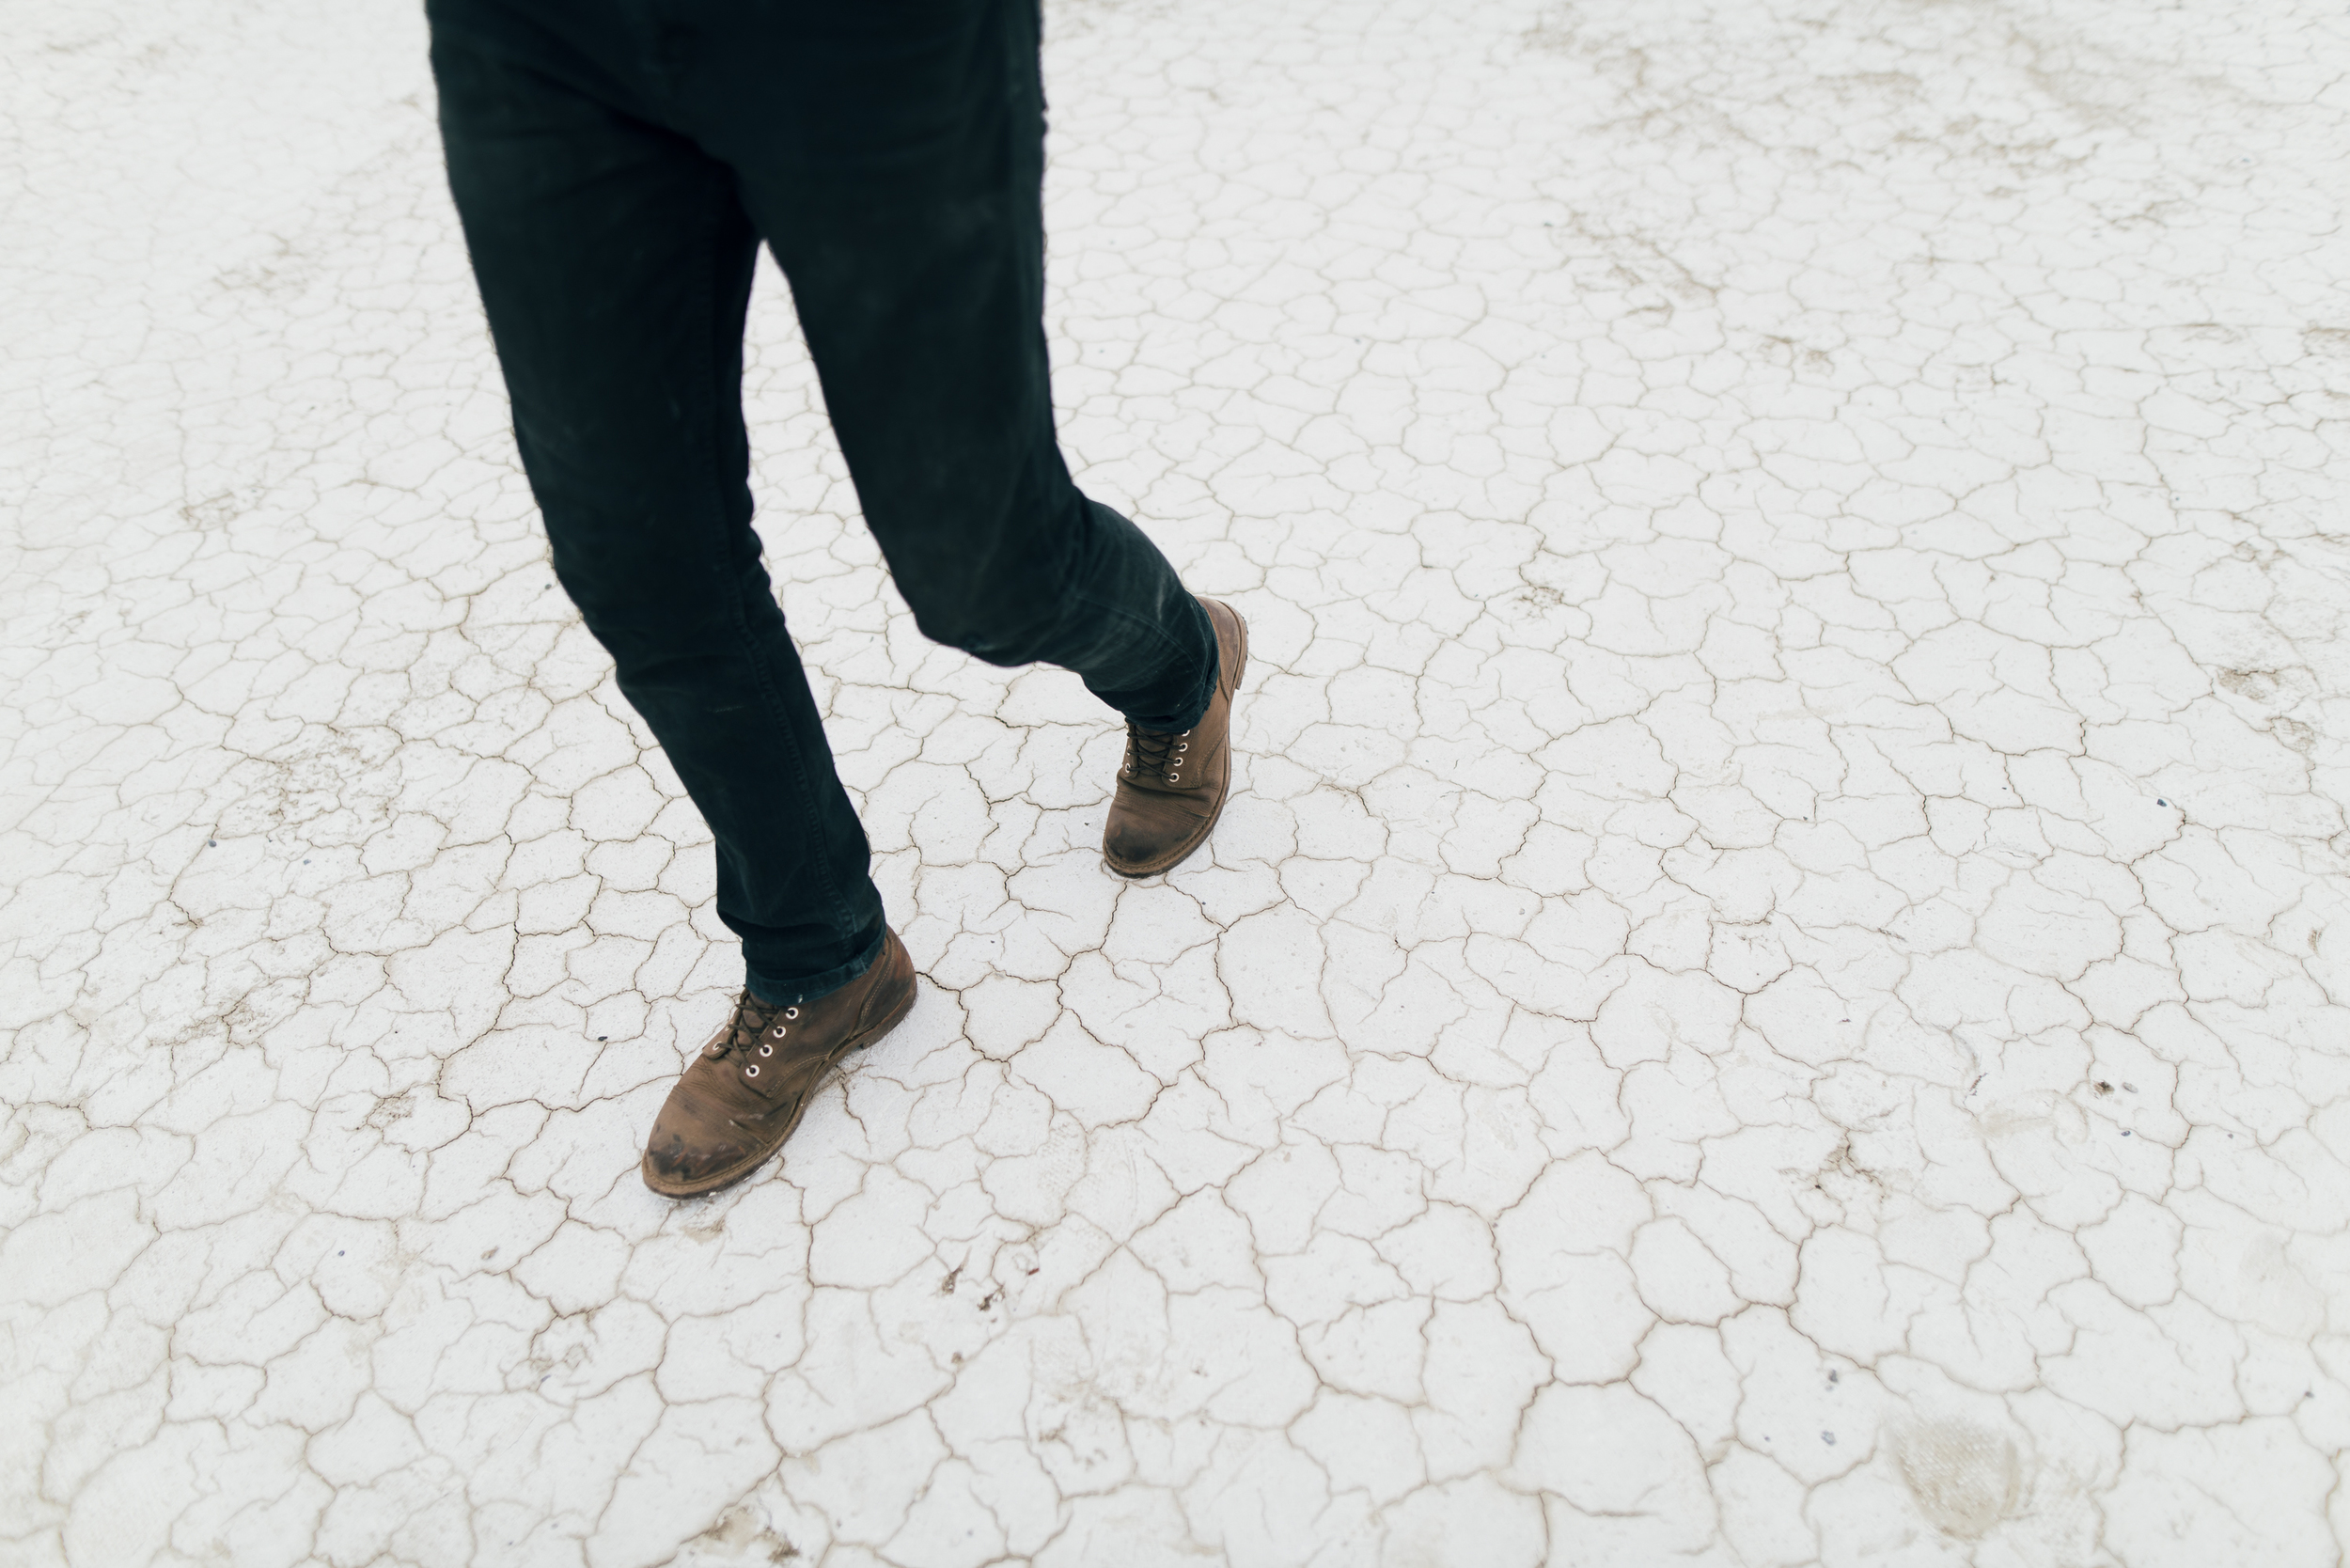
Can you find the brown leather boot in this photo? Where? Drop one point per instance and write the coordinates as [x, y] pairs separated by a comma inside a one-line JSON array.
[[741, 1098], [1172, 786]]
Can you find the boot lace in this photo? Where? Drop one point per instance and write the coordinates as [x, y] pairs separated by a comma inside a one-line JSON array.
[[1157, 753], [755, 1029]]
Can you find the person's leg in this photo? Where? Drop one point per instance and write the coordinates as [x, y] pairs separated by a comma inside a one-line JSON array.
[[894, 164], [615, 261]]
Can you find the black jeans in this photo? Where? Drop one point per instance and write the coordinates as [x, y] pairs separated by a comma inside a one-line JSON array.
[[616, 164]]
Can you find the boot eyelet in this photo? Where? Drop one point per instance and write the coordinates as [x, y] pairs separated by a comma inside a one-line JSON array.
[[751, 1071], [766, 1050], [790, 1013]]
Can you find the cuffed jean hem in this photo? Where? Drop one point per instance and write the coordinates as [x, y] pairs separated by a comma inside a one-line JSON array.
[[775, 992], [1151, 706]]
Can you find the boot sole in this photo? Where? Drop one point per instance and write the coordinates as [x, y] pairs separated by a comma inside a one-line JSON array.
[[1173, 858], [727, 1178]]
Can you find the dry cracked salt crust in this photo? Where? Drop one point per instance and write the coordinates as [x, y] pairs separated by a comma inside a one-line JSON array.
[[1770, 992]]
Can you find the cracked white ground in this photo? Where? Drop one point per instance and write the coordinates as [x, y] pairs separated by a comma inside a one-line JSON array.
[[1771, 991]]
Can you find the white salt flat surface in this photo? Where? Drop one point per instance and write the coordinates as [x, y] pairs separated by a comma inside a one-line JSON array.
[[1771, 992]]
